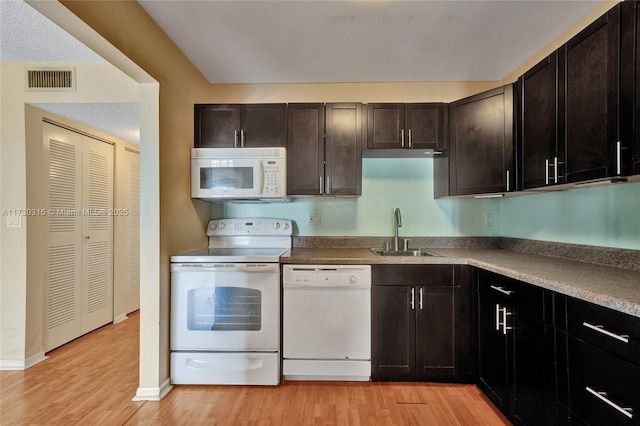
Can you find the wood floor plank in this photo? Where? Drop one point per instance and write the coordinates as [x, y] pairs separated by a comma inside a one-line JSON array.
[[92, 380]]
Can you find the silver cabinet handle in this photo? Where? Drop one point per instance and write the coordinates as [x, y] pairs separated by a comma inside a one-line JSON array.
[[235, 138], [505, 313], [420, 298], [497, 317], [600, 329], [546, 171], [555, 169], [410, 143], [242, 138], [328, 185], [501, 290], [508, 180], [602, 396], [321, 185], [618, 158], [413, 298], [402, 137]]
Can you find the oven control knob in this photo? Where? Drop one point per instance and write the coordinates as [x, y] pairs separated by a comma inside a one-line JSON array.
[[213, 225], [276, 225], [222, 225], [353, 279], [286, 226]]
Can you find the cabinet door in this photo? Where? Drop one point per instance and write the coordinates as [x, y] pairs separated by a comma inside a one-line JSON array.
[[435, 323], [264, 125], [630, 78], [393, 340], [424, 126], [493, 356], [534, 373], [385, 126], [590, 72], [305, 151], [343, 149], [481, 145], [538, 127], [216, 126]]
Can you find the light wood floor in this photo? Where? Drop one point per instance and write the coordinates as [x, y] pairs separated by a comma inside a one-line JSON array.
[[92, 380]]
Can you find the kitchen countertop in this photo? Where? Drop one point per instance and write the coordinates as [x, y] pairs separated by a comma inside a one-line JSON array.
[[615, 288]]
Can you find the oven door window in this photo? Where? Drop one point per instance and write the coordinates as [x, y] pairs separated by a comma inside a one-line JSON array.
[[226, 177], [224, 308]]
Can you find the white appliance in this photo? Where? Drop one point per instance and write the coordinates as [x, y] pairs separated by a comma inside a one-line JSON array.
[[225, 305], [239, 174], [327, 322]]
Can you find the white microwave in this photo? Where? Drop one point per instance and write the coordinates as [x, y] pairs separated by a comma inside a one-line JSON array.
[[239, 174]]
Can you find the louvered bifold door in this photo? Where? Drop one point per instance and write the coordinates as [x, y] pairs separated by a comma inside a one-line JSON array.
[[97, 234], [133, 230], [63, 275]]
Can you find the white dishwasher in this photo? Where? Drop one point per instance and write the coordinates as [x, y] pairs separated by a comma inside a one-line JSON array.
[[326, 322]]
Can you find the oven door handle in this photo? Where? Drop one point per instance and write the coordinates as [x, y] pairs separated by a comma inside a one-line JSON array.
[[225, 267]]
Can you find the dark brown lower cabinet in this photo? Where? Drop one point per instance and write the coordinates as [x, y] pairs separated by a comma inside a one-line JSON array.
[[421, 325], [516, 349], [598, 364]]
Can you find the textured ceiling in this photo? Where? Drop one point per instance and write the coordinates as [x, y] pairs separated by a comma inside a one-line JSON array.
[[362, 41], [28, 36]]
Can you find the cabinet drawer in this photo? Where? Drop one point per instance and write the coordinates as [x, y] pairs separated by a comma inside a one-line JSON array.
[[605, 390], [614, 331], [527, 300], [414, 275]]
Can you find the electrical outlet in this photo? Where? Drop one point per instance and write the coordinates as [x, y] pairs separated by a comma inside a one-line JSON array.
[[488, 220], [314, 219]]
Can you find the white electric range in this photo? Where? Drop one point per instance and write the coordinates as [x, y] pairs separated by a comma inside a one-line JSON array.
[[225, 304]]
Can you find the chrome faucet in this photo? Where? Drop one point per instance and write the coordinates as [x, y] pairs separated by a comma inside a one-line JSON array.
[[398, 222]]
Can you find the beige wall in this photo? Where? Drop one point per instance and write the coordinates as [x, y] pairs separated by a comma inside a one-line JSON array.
[[182, 220]]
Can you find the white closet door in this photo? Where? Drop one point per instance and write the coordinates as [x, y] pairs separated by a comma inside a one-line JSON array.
[[97, 234], [133, 230], [63, 278], [79, 290]]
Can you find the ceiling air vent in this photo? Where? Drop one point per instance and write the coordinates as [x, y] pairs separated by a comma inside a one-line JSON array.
[[51, 79]]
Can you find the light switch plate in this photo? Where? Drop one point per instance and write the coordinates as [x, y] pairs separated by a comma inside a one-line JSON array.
[[314, 219], [488, 220], [14, 221]]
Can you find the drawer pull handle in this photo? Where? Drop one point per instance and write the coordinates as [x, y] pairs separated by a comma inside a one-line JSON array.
[[602, 396], [622, 337], [502, 290]]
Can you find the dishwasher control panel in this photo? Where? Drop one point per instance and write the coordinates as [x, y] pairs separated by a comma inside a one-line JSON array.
[[326, 275]]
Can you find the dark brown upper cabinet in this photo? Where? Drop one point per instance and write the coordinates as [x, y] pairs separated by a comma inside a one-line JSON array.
[[324, 154], [480, 157], [629, 85], [240, 126], [405, 126], [539, 135], [589, 67]]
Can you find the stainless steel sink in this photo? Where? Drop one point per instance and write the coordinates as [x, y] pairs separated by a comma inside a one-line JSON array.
[[414, 253]]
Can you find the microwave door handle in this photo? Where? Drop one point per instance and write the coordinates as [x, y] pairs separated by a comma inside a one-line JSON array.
[[261, 183]]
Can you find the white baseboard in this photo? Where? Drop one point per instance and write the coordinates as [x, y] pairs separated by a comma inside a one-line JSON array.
[[22, 364], [120, 318], [153, 393]]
